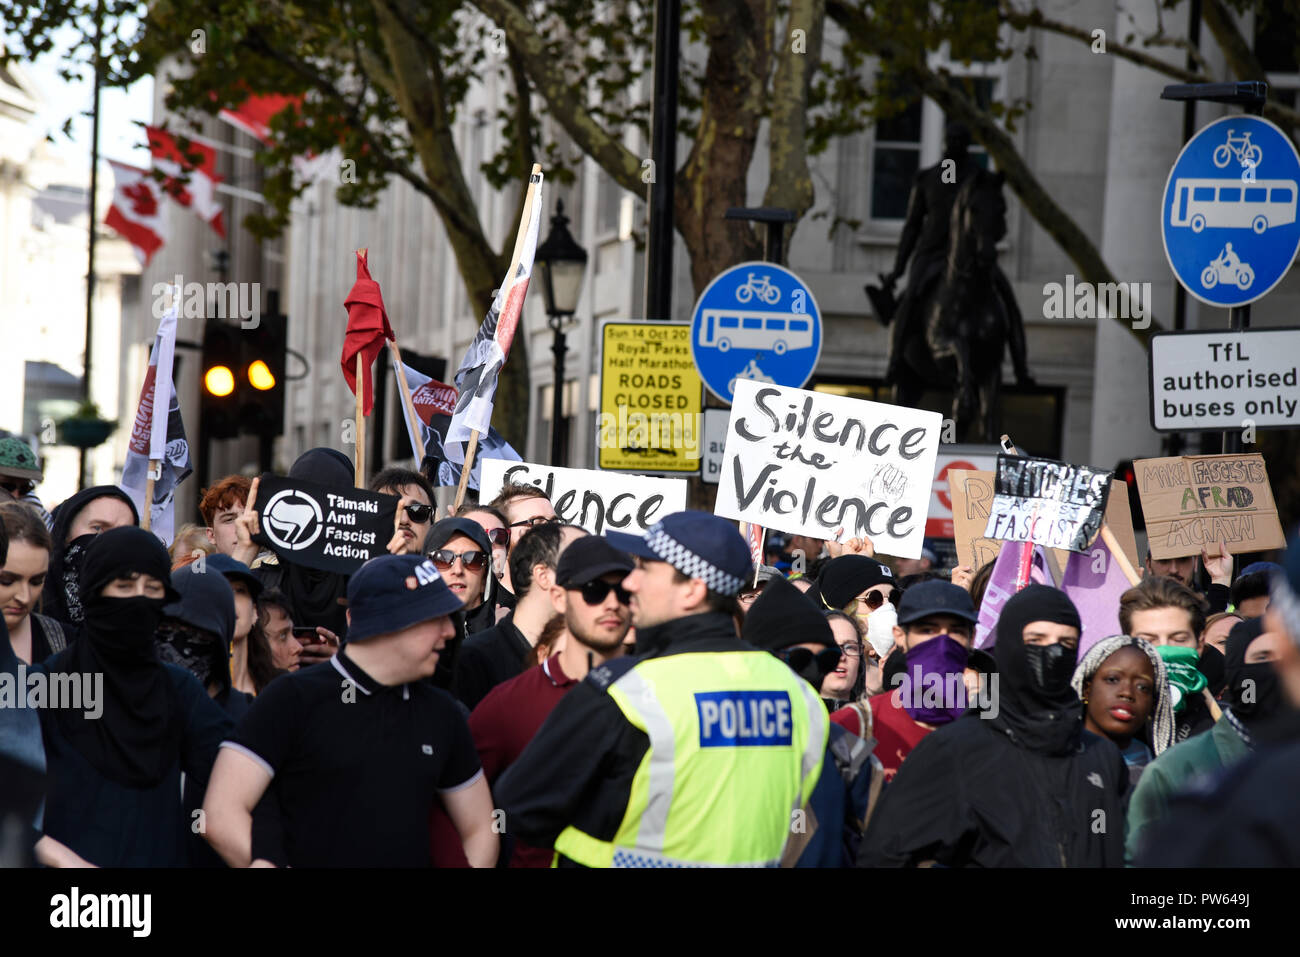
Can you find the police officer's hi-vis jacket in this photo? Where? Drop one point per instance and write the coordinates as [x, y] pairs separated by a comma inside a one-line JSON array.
[[696, 752]]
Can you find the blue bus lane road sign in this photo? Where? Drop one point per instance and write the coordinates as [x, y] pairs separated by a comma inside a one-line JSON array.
[[757, 321], [1229, 214]]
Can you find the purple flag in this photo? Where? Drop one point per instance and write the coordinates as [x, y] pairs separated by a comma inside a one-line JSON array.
[[1002, 585], [1094, 582]]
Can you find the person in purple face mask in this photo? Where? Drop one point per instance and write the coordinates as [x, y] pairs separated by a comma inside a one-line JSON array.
[[936, 624], [1014, 782]]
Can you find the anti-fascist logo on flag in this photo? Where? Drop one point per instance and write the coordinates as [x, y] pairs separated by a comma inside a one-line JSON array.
[[323, 527]]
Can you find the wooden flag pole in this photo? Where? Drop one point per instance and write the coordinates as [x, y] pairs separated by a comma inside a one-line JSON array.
[[360, 461], [1117, 555], [405, 388], [524, 220], [146, 515], [361, 423], [464, 471]]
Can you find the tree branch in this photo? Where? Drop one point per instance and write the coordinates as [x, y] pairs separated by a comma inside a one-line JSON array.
[[564, 99]]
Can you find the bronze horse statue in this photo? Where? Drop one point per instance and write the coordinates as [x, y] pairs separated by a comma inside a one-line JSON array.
[[967, 317]]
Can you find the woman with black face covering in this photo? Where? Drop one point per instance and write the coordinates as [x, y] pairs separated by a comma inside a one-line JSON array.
[[1015, 785], [1252, 697], [62, 594], [115, 763]]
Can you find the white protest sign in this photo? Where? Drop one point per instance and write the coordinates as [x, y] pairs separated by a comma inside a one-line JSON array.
[[594, 499], [809, 463], [1047, 502]]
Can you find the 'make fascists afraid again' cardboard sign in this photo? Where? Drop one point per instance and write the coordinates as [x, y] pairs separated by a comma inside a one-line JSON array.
[[328, 528], [1195, 501], [809, 463], [1047, 502]]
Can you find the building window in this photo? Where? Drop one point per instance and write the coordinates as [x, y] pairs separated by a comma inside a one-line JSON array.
[[913, 139]]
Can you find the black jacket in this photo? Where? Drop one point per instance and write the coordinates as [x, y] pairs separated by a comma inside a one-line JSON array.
[[578, 769], [968, 795]]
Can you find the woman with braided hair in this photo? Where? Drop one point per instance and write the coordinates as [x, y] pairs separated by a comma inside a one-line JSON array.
[[1125, 692]]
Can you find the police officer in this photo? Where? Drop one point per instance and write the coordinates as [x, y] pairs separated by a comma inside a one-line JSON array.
[[696, 752]]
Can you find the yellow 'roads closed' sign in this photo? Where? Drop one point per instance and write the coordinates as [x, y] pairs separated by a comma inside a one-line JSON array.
[[651, 398]]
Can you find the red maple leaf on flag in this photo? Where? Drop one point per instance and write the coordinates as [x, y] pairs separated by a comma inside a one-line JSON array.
[[142, 199]]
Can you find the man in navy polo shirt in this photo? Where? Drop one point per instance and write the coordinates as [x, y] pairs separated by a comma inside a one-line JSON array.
[[338, 764]]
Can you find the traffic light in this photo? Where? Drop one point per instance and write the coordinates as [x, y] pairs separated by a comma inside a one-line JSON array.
[[219, 404], [243, 377], [261, 374]]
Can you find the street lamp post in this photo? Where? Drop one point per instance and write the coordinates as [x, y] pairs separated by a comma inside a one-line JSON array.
[[562, 263]]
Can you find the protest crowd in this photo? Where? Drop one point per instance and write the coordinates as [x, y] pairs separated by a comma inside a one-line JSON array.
[[497, 687], [340, 667]]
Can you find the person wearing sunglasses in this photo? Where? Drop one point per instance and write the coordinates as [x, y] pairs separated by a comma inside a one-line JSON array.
[[590, 602], [497, 654], [495, 527], [415, 519], [854, 584], [460, 550], [524, 506], [19, 475]]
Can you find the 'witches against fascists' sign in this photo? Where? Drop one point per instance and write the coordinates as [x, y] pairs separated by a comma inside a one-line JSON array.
[[1047, 502], [809, 463], [334, 529], [594, 499]]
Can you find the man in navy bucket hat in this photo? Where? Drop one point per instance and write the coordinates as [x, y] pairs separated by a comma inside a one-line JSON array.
[[725, 742], [358, 747]]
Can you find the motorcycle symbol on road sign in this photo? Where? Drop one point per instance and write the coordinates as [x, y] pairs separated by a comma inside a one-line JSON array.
[[1227, 268]]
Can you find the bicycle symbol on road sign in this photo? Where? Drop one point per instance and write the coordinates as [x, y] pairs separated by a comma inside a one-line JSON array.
[[763, 288], [1247, 153]]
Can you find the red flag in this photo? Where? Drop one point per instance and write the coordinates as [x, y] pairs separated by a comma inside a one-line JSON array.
[[200, 193], [136, 213], [368, 327], [253, 116]]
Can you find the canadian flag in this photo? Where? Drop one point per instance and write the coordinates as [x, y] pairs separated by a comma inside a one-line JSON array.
[[200, 193], [137, 211]]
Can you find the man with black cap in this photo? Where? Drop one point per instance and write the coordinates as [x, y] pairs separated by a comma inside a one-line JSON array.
[[1016, 784], [588, 592], [936, 623], [723, 742], [358, 747]]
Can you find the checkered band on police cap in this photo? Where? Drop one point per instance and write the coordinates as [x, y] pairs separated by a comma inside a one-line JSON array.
[[659, 541]]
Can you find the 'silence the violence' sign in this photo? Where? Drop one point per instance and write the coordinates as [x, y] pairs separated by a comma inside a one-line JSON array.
[[810, 463]]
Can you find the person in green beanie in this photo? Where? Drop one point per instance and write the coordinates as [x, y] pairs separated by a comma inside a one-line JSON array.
[[19, 474]]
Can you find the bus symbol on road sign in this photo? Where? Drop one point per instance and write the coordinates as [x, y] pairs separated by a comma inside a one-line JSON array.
[[755, 321]]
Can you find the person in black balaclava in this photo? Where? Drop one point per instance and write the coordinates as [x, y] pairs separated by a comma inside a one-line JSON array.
[[116, 757], [196, 633], [783, 621], [1013, 785], [317, 597], [62, 594]]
